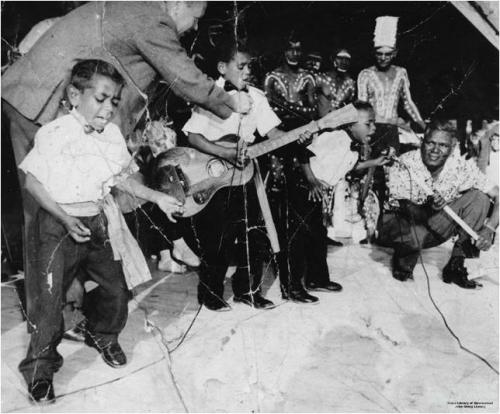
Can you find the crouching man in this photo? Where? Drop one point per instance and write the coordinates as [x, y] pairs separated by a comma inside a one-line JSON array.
[[415, 221]]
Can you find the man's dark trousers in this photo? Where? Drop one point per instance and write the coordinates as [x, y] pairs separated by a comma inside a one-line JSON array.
[[431, 229]]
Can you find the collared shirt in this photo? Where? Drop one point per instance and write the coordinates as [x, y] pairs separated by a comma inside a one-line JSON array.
[[75, 167], [261, 118], [333, 157], [457, 176]]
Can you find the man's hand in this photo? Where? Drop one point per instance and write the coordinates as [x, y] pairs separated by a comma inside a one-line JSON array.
[[76, 229], [382, 160], [422, 125], [316, 188], [485, 240], [237, 155], [437, 202], [170, 206], [305, 138], [243, 103]]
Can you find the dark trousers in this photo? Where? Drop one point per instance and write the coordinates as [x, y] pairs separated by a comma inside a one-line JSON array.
[[22, 133], [154, 232], [301, 232], [409, 232], [229, 232], [60, 259], [386, 135]]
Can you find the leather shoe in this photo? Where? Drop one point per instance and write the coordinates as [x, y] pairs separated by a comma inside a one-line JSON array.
[[324, 287], [111, 352], [402, 275], [217, 306], [456, 272], [332, 242], [301, 296], [42, 391], [255, 300]]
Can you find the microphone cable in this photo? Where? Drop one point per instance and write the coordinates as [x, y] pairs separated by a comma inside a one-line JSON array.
[[429, 293]]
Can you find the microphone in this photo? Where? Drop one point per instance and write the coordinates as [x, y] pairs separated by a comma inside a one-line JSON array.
[[430, 192]]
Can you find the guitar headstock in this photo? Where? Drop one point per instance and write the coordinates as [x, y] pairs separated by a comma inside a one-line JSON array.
[[346, 115]]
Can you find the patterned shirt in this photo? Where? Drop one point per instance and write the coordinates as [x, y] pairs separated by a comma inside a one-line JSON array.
[[334, 92], [287, 93], [384, 95], [457, 176]]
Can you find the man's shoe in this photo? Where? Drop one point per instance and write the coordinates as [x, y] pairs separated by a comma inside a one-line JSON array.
[[217, 306], [402, 275], [111, 351], [324, 287], [255, 300], [260, 302], [456, 272], [332, 242], [42, 391], [301, 296]]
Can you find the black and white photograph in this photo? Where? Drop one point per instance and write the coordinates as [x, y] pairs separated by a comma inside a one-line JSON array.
[[250, 206]]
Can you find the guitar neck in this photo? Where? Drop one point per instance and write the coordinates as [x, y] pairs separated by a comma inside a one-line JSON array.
[[273, 144], [334, 119]]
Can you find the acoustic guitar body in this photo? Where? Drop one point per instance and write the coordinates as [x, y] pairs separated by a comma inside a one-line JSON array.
[[194, 177]]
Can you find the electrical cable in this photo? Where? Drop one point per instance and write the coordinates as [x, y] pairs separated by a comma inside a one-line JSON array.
[[429, 293]]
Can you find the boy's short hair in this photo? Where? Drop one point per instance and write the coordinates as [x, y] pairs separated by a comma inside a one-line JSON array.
[[226, 50], [83, 71], [362, 105]]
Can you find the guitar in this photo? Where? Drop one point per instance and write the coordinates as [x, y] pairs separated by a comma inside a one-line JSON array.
[[194, 177]]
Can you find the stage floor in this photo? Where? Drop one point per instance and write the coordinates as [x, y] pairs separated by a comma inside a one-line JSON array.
[[377, 346]]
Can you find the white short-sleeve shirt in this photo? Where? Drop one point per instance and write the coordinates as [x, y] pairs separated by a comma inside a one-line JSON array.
[[261, 118], [333, 157], [76, 167]]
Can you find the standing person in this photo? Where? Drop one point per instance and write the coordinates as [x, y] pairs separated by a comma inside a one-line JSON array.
[[232, 212], [415, 221], [140, 38], [78, 223], [335, 88], [290, 89], [294, 192], [384, 85], [313, 62], [338, 154]]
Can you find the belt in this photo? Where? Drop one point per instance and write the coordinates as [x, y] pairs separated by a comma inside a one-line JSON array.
[[83, 209]]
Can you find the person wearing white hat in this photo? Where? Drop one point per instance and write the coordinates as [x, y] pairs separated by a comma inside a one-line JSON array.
[[335, 88], [384, 85]]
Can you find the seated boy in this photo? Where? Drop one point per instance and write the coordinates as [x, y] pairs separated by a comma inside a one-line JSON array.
[[75, 161], [232, 210]]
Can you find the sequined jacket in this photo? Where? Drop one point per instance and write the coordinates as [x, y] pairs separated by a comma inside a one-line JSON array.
[[385, 95]]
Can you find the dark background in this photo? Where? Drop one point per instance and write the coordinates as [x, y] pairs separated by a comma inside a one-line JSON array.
[[453, 69], [436, 43]]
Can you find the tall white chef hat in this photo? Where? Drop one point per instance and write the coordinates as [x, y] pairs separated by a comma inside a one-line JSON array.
[[386, 28]]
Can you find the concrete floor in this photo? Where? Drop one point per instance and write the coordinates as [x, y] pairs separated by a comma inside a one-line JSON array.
[[378, 346]]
